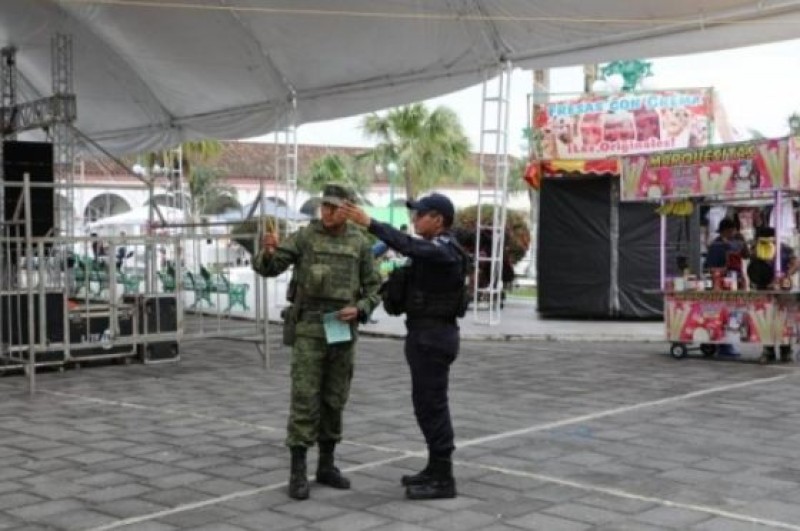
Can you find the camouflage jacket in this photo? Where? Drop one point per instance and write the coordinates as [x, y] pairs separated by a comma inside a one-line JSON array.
[[331, 270]]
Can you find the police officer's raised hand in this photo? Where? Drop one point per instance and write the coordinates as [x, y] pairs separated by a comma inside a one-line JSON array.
[[348, 313], [269, 242], [355, 214]]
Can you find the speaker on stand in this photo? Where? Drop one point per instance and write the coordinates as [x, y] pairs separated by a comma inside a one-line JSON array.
[[35, 159]]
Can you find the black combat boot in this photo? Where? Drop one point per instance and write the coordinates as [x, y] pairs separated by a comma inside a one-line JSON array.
[[440, 485], [420, 477], [298, 482], [327, 473]]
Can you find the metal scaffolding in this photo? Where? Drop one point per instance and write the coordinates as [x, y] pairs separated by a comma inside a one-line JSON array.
[[492, 196], [68, 299]]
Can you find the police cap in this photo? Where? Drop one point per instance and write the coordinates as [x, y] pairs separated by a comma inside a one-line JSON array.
[[438, 203]]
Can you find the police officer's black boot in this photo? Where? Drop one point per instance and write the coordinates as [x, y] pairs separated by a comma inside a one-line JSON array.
[[327, 473], [440, 485], [298, 482], [420, 477]]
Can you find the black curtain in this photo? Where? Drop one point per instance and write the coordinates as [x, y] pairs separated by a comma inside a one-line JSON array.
[[580, 243], [574, 256]]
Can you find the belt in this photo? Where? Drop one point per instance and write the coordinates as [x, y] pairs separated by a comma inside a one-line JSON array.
[[429, 322], [310, 316]]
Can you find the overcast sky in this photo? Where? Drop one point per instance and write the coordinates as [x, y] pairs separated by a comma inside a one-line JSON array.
[[759, 86]]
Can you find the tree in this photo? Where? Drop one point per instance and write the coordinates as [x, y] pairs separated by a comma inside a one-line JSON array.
[[425, 145], [209, 193], [532, 144], [182, 159], [335, 168]]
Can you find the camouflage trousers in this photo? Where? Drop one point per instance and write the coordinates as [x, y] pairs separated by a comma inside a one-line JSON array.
[[321, 376]]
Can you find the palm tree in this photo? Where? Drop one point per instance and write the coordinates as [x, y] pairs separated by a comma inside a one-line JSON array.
[[425, 145], [348, 170], [209, 193], [182, 160], [335, 168]]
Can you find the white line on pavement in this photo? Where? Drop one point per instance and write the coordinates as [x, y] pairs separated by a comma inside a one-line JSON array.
[[203, 416], [180, 412], [472, 442], [229, 497], [616, 411], [629, 495]]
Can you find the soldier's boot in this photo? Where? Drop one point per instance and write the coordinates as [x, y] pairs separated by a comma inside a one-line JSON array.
[[423, 476], [327, 473], [441, 484], [298, 482], [786, 353]]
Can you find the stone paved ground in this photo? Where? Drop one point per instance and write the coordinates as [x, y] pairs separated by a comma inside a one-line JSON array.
[[552, 436]]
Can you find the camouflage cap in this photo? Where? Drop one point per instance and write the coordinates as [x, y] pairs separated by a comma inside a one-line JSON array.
[[337, 194]]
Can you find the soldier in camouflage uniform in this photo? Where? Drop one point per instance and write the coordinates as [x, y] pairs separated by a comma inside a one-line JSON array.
[[334, 272]]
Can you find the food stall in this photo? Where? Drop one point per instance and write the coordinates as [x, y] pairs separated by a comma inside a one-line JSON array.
[[705, 311]]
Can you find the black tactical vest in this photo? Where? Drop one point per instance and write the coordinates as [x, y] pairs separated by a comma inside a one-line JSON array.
[[438, 290]]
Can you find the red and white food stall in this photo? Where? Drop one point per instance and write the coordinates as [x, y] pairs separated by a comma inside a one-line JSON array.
[[698, 311]]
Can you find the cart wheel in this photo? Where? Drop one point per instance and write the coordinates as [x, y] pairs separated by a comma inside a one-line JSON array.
[[678, 350], [708, 350]]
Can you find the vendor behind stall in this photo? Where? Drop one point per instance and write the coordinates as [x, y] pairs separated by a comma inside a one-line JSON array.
[[728, 249], [726, 253], [761, 272]]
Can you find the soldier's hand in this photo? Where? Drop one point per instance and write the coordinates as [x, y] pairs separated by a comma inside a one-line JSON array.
[[269, 242], [348, 313], [355, 214]]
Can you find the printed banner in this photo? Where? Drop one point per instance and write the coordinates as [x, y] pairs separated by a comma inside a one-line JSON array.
[[595, 126], [709, 317], [724, 170], [794, 163]]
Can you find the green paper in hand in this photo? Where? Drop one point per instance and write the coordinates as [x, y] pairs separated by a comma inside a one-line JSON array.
[[336, 331]]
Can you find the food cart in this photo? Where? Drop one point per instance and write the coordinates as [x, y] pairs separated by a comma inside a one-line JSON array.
[[700, 312]]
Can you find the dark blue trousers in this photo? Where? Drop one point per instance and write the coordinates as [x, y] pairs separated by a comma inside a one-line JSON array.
[[430, 350]]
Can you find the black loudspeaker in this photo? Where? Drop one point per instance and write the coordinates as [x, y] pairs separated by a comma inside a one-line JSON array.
[[36, 159], [14, 321], [158, 314]]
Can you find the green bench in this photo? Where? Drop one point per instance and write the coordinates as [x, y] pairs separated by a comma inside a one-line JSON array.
[[204, 284], [200, 288], [88, 272], [190, 282], [220, 283]]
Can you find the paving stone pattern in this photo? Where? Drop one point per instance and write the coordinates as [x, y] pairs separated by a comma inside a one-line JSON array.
[[552, 436]]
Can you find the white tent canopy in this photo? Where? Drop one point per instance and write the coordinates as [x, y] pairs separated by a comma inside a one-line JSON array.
[[138, 217], [148, 74]]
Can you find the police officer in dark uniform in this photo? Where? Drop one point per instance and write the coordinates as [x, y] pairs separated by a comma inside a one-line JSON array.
[[435, 295]]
